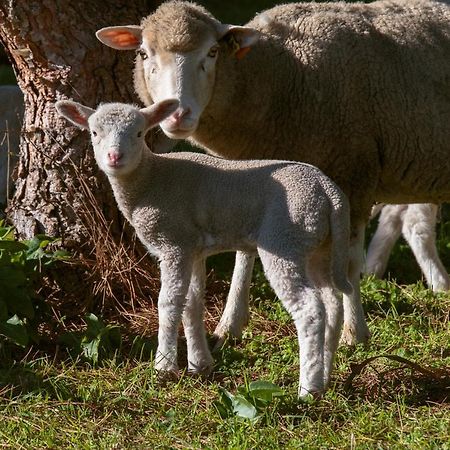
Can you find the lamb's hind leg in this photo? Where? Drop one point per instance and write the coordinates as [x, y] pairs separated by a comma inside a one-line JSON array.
[[236, 312], [303, 302], [199, 356], [319, 270]]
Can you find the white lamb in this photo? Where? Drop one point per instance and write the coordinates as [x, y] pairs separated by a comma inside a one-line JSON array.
[[186, 206], [417, 223], [359, 90]]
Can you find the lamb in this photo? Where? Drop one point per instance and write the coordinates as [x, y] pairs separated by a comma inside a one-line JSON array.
[[11, 116], [186, 206], [417, 222], [359, 90]]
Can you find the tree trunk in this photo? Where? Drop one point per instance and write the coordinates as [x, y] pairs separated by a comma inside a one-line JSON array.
[[55, 55]]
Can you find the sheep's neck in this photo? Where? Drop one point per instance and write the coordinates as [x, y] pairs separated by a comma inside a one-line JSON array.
[[224, 132], [128, 189]]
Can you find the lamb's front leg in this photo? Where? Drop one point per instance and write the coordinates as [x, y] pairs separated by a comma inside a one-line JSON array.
[[175, 278], [200, 360]]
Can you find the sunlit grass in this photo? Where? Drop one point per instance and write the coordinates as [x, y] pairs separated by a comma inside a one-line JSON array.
[[63, 403]]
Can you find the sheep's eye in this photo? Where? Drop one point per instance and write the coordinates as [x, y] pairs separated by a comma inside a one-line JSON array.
[[153, 70], [142, 54], [139, 134], [94, 133], [213, 51]]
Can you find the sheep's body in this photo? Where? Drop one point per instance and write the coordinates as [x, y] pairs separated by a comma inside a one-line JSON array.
[[360, 90], [417, 223], [186, 206], [11, 116]]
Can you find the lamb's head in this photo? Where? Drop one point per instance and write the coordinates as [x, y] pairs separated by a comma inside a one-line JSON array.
[[177, 50], [117, 130]]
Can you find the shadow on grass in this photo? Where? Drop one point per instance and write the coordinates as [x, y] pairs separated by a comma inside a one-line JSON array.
[[374, 379]]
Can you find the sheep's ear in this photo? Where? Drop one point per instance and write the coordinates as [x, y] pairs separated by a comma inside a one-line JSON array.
[[239, 39], [75, 112], [121, 38], [156, 113]]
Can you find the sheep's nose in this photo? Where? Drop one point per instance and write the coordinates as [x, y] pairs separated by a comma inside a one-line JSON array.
[[114, 156]]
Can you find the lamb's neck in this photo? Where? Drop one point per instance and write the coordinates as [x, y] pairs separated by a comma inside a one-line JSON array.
[[128, 189]]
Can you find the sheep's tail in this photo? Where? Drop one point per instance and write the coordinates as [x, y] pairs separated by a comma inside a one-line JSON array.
[[340, 242]]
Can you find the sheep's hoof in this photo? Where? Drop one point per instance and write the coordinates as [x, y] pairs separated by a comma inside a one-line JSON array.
[[352, 337]]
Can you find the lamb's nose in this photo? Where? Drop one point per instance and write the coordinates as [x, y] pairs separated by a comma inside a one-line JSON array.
[[180, 114], [114, 156]]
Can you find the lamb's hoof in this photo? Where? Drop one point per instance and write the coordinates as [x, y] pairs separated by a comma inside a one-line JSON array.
[[225, 335], [165, 376], [352, 337], [308, 397], [200, 370], [220, 340]]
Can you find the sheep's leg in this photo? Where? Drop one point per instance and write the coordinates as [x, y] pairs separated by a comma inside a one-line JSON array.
[[175, 280], [388, 231], [303, 302], [419, 230], [199, 356], [355, 327], [236, 313]]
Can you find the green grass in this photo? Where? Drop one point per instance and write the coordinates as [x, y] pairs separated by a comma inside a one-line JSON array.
[[54, 402]]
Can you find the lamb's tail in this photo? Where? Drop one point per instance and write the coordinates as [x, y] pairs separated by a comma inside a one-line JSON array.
[[340, 242]]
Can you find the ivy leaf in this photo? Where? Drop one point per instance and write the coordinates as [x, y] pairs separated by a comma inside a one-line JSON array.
[[15, 330]]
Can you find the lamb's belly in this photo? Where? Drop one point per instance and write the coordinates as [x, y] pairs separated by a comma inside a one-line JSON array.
[[213, 245]]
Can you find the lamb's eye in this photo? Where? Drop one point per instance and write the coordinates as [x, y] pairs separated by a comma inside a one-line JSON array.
[[142, 54], [94, 133], [153, 69], [213, 51], [139, 134]]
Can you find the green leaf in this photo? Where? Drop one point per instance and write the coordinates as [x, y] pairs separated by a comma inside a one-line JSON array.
[[12, 246], [243, 408], [94, 325], [90, 349], [15, 330], [264, 390]]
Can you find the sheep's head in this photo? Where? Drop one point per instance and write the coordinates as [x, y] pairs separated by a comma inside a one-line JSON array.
[[117, 130], [177, 48]]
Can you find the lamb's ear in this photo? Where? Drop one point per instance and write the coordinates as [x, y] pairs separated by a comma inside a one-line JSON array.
[[239, 39], [121, 38], [75, 112], [156, 113]]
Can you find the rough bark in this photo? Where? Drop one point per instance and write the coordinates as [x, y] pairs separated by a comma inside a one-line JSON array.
[[55, 55]]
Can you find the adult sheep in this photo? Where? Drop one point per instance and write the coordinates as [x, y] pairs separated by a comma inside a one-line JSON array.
[[360, 90]]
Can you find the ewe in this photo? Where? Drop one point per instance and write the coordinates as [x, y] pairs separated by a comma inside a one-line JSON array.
[[360, 90], [186, 206]]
